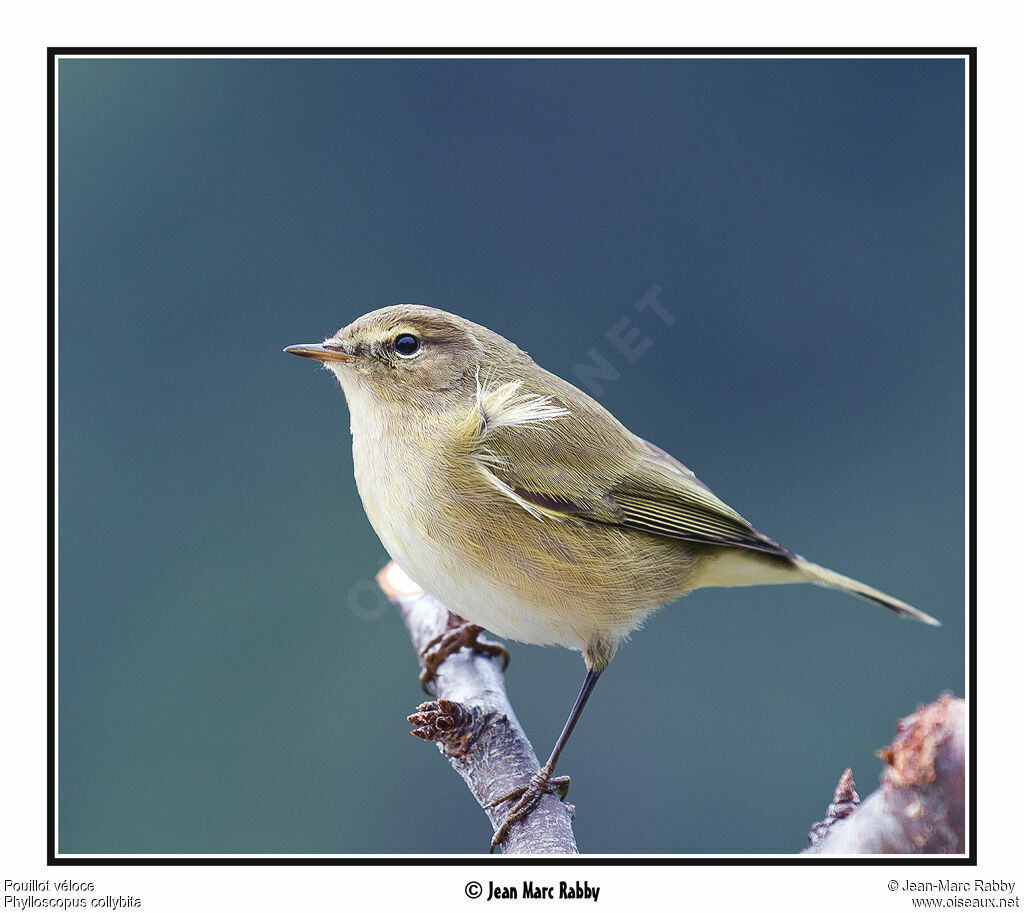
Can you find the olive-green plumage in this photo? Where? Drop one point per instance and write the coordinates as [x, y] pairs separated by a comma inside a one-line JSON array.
[[523, 504]]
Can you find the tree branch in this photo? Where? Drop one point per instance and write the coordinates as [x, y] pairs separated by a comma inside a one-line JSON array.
[[475, 726], [919, 807]]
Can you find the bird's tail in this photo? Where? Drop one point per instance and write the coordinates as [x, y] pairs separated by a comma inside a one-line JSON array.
[[823, 576], [745, 567]]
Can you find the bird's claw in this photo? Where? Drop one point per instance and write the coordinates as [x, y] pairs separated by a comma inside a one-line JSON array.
[[527, 797], [461, 634]]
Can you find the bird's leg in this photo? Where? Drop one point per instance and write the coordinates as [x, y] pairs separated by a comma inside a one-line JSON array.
[[460, 633], [543, 782]]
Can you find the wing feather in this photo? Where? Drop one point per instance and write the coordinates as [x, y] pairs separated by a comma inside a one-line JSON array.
[[556, 463]]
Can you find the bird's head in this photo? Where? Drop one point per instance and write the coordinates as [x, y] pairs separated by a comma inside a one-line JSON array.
[[409, 353]]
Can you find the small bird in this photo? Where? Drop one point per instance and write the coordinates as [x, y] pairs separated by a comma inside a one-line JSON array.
[[526, 507]]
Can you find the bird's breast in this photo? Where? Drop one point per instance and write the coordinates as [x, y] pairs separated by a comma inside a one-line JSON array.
[[538, 580]]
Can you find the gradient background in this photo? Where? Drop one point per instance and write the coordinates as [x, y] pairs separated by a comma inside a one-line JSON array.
[[229, 682]]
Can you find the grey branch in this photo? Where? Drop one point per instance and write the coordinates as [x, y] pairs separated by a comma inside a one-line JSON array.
[[475, 726], [919, 808]]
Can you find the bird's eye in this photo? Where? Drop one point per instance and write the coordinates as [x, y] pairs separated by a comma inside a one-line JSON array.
[[407, 344]]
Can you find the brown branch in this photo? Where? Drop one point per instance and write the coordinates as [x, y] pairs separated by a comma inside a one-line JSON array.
[[919, 807], [475, 726]]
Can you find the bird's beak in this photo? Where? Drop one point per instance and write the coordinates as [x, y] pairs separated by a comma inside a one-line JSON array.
[[327, 351]]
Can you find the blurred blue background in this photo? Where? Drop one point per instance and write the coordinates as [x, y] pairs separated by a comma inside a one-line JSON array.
[[230, 682]]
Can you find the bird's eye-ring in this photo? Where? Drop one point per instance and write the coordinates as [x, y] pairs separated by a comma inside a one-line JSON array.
[[406, 344]]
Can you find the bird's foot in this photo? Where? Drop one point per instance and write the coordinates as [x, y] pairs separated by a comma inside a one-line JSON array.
[[460, 633], [527, 797]]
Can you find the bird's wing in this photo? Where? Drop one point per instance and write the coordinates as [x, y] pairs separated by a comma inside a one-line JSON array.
[[663, 497], [557, 464]]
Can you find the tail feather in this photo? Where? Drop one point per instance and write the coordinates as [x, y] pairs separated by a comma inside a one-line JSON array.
[[825, 577]]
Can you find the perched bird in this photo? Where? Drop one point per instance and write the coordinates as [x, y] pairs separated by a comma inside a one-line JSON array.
[[525, 506]]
